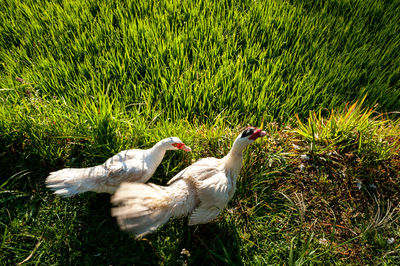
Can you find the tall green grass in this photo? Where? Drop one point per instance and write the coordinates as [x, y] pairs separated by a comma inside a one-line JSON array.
[[82, 80], [197, 59]]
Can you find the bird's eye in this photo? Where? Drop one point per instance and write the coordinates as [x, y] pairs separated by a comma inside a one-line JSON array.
[[178, 145], [248, 132]]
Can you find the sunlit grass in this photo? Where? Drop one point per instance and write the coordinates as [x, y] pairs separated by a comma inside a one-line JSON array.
[[353, 126], [82, 80]]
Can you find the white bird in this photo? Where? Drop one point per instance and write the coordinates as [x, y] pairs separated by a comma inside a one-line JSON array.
[[201, 190], [129, 165]]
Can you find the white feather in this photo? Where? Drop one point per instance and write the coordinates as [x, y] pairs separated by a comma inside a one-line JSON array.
[[201, 190], [126, 166]]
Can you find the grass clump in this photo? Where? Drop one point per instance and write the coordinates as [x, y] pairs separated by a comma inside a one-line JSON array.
[[353, 127]]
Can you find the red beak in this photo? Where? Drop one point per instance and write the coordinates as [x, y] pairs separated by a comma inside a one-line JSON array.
[[257, 134], [182, 146]]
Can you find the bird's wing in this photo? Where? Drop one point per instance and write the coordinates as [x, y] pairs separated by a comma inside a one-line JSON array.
[[202, 215], [213, 195], [177, 176], [116, 165], [123, 163], [199, 169]]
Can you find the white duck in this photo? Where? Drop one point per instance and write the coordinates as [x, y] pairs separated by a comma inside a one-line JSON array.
[[129, 165], [201, 190]]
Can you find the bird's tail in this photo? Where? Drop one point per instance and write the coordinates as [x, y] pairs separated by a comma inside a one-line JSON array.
[[142, 208], [71, 181]]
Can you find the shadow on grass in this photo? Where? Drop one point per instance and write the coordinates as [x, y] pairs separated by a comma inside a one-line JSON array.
[[99, 240], [216, 243]]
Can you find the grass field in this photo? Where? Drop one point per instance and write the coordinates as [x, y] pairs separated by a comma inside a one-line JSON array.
[[82, 80]]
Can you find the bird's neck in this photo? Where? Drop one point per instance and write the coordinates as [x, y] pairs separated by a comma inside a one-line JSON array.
[[156, 153], [233, 160]]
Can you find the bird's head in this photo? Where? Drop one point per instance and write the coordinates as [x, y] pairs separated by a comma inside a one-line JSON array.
[[174, 143], [252, 133], [248, 136]]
